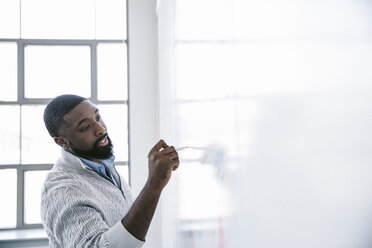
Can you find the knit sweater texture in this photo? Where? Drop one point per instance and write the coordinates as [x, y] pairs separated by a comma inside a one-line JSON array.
[[80, 208]]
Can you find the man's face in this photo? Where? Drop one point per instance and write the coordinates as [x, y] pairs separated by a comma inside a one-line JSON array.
[[85, 132]]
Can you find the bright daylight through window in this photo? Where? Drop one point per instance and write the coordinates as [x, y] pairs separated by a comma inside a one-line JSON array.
[[48, 48]]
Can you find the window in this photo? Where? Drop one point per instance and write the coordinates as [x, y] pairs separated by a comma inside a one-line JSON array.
[[44, 54]]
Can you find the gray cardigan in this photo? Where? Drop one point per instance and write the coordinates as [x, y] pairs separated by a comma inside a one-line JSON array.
[[79, 208]]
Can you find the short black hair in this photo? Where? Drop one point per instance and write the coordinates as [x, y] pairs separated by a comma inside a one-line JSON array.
[[57, 108]]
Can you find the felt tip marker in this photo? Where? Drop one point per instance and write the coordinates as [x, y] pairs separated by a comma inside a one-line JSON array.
[[181, 148], [178, 149]]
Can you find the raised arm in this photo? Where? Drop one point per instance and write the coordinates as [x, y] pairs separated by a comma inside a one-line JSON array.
[[162, 160]]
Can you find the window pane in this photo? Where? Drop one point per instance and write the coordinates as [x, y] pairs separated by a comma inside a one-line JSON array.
[[33, 182], [112, 71], [116, 120], [111, 19], [53, 19], [8, 71], [8, 192], [9, 19], [55, 70], [9, 135], [123, 170], [37, 145]]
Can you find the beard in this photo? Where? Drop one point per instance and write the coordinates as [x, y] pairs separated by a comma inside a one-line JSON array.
[[97, 151]]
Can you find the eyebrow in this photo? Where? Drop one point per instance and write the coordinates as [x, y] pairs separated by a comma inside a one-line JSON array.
[[83, 120]]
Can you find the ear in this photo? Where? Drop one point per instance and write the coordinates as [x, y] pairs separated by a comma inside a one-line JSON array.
[[61, 141]]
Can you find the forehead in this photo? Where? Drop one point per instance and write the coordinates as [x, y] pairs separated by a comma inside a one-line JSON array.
[[83, 110]]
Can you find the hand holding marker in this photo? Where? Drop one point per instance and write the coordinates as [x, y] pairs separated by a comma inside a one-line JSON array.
[[213, 154]]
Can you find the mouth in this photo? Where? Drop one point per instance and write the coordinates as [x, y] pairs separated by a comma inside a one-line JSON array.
[[102, 141]]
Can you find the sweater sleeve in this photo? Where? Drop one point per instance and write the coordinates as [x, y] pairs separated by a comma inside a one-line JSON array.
[[76, 221]]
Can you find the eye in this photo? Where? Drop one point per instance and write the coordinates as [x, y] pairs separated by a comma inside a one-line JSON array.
[[98, 117], [84, 128]]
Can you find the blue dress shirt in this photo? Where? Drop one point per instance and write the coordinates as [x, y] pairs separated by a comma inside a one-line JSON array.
[[101, 168]]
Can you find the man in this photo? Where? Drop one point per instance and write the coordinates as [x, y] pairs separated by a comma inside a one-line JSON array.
[[85, 202]]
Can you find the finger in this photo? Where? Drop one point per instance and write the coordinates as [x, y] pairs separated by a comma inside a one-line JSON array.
[[175, 165], [168, 150], [173, 156], [161, 144]]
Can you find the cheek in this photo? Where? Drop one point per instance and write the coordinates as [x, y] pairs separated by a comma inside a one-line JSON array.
[[104, 125], [82, 142]]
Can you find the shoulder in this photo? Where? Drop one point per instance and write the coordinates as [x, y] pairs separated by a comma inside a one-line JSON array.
[[59, 185], [67, 172], [57, 181], [62, 193]]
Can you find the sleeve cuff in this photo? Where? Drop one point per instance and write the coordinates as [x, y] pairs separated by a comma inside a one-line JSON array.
[[118, 236]]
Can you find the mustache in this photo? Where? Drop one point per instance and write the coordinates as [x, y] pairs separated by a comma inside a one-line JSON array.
[[100, 139]]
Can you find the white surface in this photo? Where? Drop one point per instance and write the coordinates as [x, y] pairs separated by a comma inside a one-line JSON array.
[[34, 181], [8, 71], [9, 130], [112, 71], [110, 19], [46, 19], [281, 114], [8, 190], [57, 70], [27, 234], [143, 98], [9, 19], [34, 137]]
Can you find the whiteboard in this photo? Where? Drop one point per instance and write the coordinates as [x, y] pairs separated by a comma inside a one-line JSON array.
[[278, 129]]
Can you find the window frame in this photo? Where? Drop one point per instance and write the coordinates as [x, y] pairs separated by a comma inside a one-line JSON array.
[[21, 100]]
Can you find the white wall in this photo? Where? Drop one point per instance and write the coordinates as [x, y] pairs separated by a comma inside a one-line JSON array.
[[166, 118], [143, 98]]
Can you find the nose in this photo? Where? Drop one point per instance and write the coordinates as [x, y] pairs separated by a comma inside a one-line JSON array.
[[100, 129]]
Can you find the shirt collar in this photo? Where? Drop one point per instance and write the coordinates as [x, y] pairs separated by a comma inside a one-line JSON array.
[[108, 163]]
